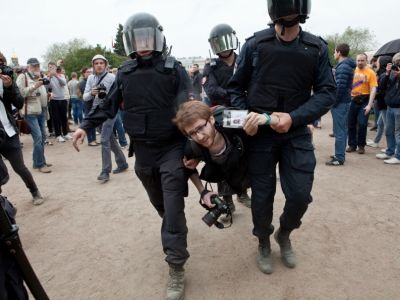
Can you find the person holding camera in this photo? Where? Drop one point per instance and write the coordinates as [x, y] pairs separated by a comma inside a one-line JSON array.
[[276, 70], [59, 104], [390, 83], [97, 87], [10, 145], [151, 86], [31, 86]]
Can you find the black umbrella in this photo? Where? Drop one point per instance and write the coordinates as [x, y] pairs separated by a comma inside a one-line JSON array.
[[390, 48]]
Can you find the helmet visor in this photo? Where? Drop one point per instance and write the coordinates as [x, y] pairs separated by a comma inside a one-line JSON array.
[[143, 39], [224, 42]]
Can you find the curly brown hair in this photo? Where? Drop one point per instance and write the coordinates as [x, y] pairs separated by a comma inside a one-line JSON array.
[[189, 112]]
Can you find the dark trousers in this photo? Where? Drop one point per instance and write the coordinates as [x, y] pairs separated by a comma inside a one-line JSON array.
[[91, 133], [59, 109], [11, 150], [358, 123], [50, 125], [295, 154], [161, 171]]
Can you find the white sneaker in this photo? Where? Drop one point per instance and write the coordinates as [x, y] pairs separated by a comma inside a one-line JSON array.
[[372, 144], [383, 156], [383, 150], [60, 139], [67, 137], [392, 161]]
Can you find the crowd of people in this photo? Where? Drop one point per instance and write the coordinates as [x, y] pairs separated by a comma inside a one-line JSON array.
[[281, 89]]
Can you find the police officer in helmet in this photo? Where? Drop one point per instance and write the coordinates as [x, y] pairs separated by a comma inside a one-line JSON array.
[[276, 70], [216, 75], [152, 86]]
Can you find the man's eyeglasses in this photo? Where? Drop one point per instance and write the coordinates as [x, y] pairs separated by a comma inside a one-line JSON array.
[[201, 129]]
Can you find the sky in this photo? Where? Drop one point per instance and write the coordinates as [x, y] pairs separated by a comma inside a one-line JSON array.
[[29, 27]]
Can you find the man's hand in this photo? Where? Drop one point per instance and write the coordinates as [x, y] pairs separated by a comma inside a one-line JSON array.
[[207, 199], [77, 138], [190, 163], [94, 92], [252, 121], [284, 124], [38, 84], [367, 109], [7, 81]]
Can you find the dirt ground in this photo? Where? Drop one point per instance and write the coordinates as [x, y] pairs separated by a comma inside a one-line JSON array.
[[102, 241]]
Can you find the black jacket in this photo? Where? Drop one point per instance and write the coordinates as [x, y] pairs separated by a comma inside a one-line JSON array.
[[391, 85], [234, 168], [12, 96], [323, 85], [144, 105]]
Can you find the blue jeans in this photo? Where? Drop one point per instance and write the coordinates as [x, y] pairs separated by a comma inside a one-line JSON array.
[[36, 123], [393, 131], [91, 132], [120, 130], [340, 115], [77, 110], [381, 126], [108, 144], [358, 123]]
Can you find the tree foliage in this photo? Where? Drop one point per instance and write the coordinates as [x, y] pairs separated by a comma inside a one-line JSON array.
[[119, 43], [60, 50], [77, 59], [360, 40]]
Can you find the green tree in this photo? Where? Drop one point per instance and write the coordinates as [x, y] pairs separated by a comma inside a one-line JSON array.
[[359, 39], [60, 50], [119, 43]]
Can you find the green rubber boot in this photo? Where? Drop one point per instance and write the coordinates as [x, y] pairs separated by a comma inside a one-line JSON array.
[[176, 283], [287, 255], [264, 261]]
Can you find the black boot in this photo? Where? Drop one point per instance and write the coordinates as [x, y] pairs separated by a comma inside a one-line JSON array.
[[287, 255]]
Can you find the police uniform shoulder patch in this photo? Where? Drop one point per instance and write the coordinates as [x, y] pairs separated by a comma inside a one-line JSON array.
[[128, 66], [265, 35], [311, 39]]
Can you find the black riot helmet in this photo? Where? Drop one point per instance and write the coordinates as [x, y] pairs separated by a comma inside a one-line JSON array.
[[279, 9], [222, 38], [143, 32]]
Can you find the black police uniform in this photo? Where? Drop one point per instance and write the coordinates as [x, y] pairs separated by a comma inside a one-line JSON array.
[[152, 90], [218, 74], [277, 76]]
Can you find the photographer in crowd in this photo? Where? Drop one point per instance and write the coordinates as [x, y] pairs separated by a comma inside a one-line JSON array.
[[59, 104], [10, 146], [97, 87], [31, 86]]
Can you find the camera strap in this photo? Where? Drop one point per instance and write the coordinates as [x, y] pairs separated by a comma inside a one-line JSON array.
[[101, 78]]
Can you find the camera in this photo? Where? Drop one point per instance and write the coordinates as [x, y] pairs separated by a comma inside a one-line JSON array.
[[395, 67], [102, 91], [6, 70], [45, 81], [221, 207]]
